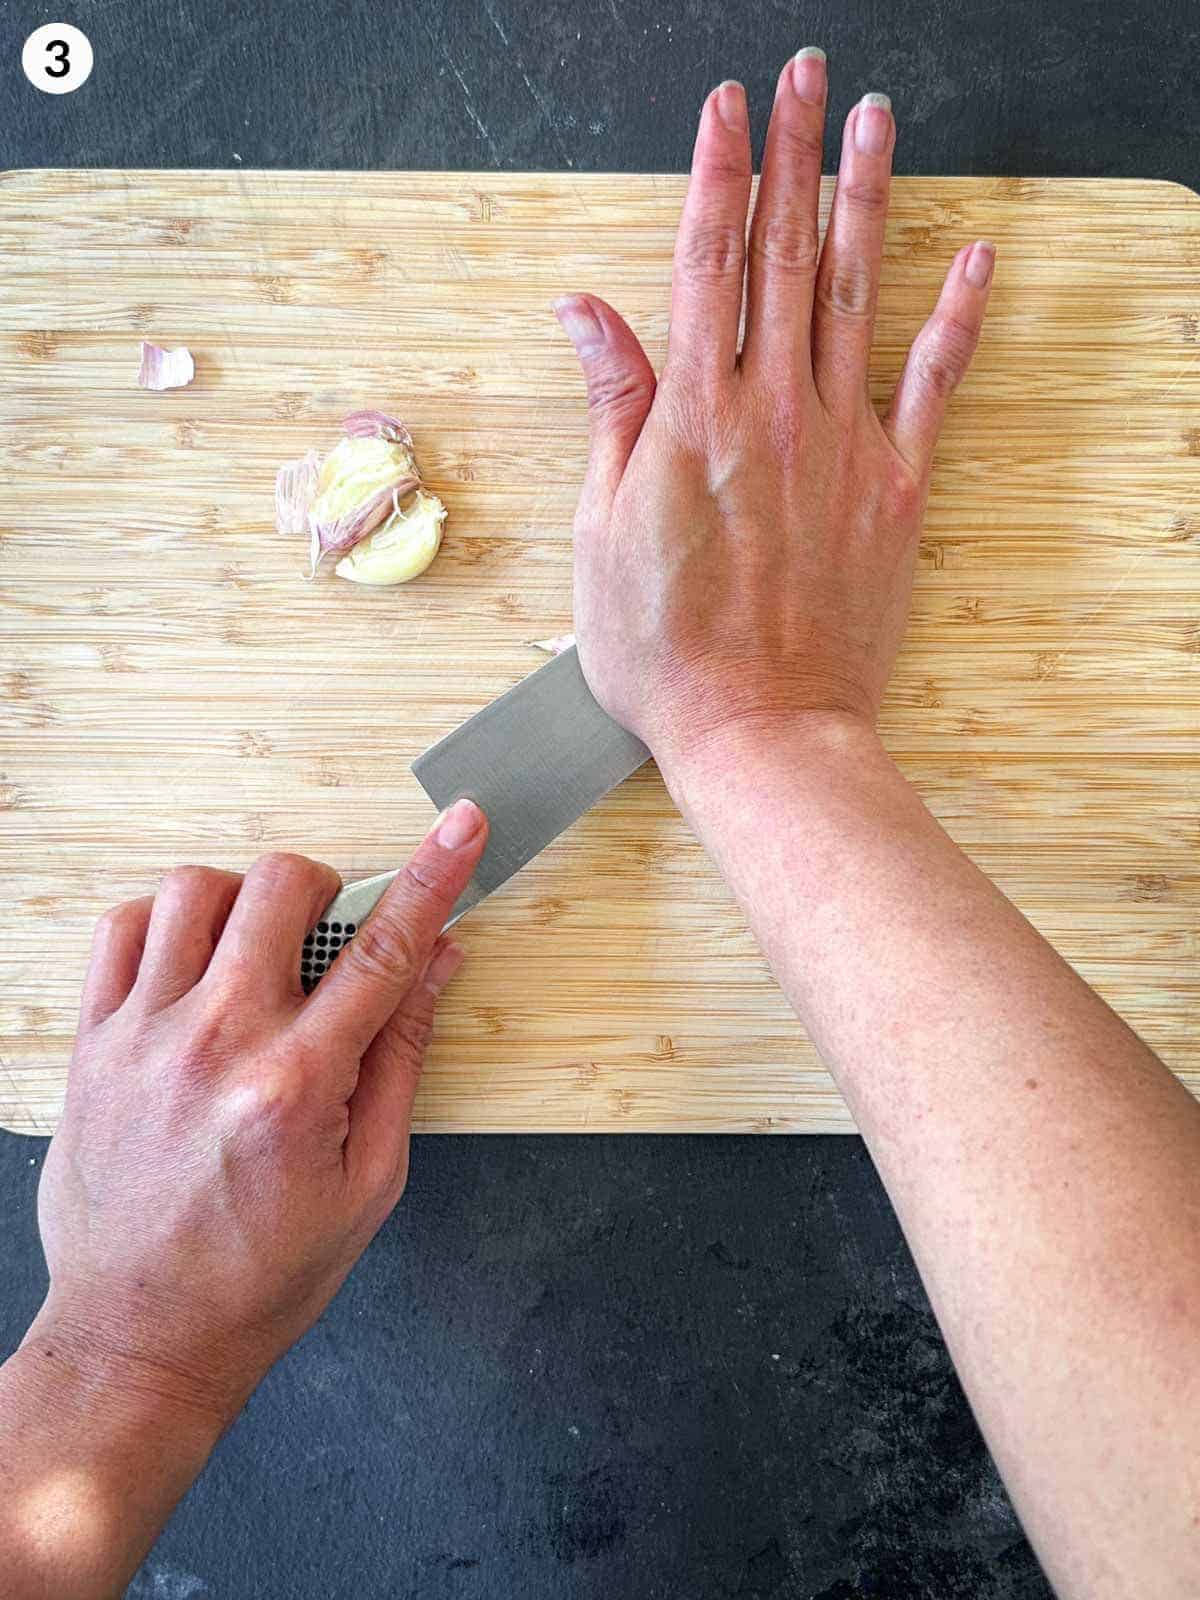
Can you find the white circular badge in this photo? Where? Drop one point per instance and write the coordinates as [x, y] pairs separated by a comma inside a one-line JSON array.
[[57, 58]]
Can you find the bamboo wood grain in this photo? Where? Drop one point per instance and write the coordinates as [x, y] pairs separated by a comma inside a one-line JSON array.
[[173, 690]]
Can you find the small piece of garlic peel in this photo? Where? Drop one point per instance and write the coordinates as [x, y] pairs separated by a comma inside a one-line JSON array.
[[402, 548], [554, 646], [165, 369], [295, 485]]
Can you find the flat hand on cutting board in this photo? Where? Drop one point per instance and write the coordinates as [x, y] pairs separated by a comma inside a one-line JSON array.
[[747, 530], [744, 553], [227, 1150]]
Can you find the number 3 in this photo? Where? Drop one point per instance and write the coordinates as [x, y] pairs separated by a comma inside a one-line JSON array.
[[57, 57], [63, 58]]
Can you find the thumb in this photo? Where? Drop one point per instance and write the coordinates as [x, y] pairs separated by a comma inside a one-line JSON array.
[[620, 389], [383, 960], [382, 1102]]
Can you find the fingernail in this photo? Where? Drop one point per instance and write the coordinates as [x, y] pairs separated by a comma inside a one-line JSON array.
[[981, 259], [808, 73], [579, 322], [730, 101], [873, 124], [443, 966], [458, 825]]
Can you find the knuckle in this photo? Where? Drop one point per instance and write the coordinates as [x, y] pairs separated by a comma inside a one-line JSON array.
[[204, 1050], [613, 391], [305, 1052], [960, 339], [425, 875], [413, 1033], [865, 197], [384, 948], [182, 883], [942, 357], [268, 1102], [904, 494], [210, 1021], [713, 252], [116, 919], [964, 334], [786, 244], [280, 867], [321, 872], [935, 373], [802, 144], [726, 170], [846, 290]]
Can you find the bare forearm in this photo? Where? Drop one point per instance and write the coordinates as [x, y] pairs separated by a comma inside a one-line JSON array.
[[89, 1472], [1045, 1165]]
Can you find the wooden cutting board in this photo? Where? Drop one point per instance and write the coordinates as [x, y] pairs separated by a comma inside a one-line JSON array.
[[173, 690]]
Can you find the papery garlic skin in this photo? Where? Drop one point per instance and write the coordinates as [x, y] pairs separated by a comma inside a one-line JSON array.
[[295, 485], [165, 369], [402, 548], [376, 425]]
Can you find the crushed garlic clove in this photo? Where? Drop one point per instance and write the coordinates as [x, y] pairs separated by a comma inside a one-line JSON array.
[[165, 369], [357, 486], [342, 499], [402, 548]]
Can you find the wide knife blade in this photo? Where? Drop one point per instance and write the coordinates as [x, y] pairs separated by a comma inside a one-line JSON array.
[[535, 759]]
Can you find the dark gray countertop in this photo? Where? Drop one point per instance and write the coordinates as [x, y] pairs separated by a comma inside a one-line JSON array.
[[632, 1367]]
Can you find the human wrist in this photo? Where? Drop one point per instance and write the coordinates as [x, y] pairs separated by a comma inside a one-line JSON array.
[[94, 1456], [142, 1378], [806, 743]]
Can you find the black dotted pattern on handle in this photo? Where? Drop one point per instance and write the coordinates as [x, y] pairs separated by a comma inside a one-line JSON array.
[[321, 947]]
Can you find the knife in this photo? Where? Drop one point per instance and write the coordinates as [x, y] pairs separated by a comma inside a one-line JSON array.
[[535, 759]]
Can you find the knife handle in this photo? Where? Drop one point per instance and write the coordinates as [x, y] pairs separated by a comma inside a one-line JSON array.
[[341, 920], [337, 925]]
